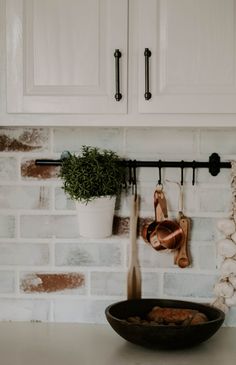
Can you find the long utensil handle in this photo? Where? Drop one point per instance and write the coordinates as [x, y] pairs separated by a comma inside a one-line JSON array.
[[133, 225], [183, 259], [134, 273]]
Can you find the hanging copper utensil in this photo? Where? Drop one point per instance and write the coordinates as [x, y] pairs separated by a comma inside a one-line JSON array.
[[182, 258], [162, 234]]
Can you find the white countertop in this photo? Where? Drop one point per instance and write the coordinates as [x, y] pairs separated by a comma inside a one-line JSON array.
[[84, 344]]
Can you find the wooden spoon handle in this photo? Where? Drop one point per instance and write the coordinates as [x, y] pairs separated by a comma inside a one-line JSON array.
[[183, 260], [134, 273]]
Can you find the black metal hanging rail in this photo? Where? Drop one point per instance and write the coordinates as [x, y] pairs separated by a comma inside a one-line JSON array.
[[214, 164]]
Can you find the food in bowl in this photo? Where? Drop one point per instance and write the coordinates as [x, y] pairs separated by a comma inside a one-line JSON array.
[[170, 317]]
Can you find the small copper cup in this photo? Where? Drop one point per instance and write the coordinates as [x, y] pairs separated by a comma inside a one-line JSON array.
[[169, 234], [162, 235]]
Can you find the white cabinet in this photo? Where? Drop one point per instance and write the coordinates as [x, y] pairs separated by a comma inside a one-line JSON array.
[[60, 60], [193, 60], [60, 56]]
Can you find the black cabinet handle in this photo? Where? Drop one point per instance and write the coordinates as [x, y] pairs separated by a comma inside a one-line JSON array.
[[117, 56], [147, 54]]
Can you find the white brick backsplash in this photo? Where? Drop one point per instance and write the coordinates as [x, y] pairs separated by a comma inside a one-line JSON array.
[[7, 281], [224, 177], [215, 200], [207, 256], [160, 141], [62, 201], [24, 310], [149, 258], [7, 226], [39, 230], [24, 254], [151, 284], [108, 283], [218, 140], [45, 226], [72, 139], [189, 285], [88, 254], [8, 169], [114, 283], [24, 197], [81, 311], [203, 229]]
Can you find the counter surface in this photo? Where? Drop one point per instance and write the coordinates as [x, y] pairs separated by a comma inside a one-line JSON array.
[[87, 344]]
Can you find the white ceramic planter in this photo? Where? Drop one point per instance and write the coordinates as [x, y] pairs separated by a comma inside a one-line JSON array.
[[96, 217]]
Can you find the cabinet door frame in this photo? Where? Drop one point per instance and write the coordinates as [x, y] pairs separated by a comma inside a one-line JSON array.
[[189, 95], [22, 98]]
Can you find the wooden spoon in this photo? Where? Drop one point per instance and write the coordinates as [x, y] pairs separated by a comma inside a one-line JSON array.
[[182, 259], [134, 273]]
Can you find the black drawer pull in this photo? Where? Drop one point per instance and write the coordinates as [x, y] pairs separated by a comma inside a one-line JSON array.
[[147, 54], [117, 56]]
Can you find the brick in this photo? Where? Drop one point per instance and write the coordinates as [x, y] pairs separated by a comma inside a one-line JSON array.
[[120, 225], [72, 139], [108, 283], [7, 282], [207, 256], [46, 226], [24, 139], [151, 284], [24, 310], [62, 201], [203, 229], [149, 141], [24, 254], [114, 284], [80, 311], [218, 140], [8, 169], [24, 197], [88, 254], [203, 176], [149, 258], [215, 200], [7, 226], [31, 171], [189, 285], [62, 283]]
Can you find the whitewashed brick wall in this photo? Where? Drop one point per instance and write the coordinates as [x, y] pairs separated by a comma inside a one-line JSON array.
[[49, 273]]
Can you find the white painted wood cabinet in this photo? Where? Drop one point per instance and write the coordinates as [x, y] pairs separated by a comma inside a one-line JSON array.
[[60, 55], [60, 59], [193, 63]]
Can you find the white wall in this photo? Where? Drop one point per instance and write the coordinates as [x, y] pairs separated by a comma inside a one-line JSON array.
[[48, 273]]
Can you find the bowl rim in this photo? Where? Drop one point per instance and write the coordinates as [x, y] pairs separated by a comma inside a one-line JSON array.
[[221, 314]]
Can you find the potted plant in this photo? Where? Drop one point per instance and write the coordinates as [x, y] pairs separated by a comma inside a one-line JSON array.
[[93, 179]]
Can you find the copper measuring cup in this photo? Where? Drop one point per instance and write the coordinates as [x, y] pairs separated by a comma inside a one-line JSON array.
[[162, 234], [182, 258]]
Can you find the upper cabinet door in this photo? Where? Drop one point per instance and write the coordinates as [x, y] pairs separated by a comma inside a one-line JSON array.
[[192, 67], [60, 56]]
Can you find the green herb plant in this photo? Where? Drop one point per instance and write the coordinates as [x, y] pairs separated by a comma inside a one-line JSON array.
[[93, 173]]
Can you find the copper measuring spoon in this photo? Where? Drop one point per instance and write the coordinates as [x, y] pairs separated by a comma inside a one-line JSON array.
[[182, 258]]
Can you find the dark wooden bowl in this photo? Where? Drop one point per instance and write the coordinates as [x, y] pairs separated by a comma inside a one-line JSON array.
[[162, 336]]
